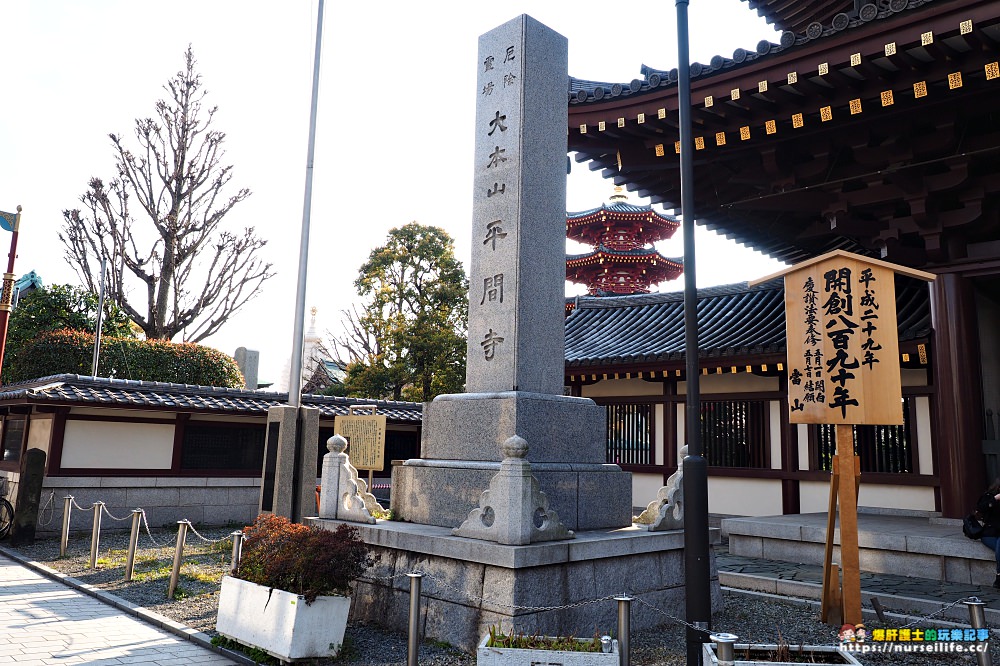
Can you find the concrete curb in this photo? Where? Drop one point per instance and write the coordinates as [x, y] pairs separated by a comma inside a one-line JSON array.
[[160, 621]]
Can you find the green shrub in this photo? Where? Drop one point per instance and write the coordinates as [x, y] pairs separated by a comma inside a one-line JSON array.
[[65, 351], [303, 560]]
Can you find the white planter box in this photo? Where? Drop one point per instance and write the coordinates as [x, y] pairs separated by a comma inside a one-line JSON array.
[[763, 650], [281, 623], [488, 656]]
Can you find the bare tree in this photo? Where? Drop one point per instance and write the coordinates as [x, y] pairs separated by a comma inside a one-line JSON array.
[[190, 274]]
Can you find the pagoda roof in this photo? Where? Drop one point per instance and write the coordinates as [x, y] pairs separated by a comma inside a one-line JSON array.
[[623, 256], [734, 320], [623, 210]]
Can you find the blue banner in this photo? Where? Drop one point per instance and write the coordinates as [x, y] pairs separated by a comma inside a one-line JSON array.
[[7, 220]]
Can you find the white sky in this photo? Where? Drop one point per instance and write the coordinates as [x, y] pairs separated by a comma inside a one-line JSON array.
[[394, 139]]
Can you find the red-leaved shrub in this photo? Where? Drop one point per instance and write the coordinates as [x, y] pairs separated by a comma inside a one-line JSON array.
[[304, 560]]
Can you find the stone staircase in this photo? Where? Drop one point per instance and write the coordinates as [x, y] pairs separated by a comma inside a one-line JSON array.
[[910, 563]]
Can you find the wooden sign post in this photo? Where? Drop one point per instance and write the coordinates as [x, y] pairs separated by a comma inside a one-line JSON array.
[[843, 370], [365, 434]]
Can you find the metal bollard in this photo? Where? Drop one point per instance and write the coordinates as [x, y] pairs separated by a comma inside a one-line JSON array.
[[413, 638], [64, 539], [234, 564], [95, 535], [133, 541], [724, 652], [624, 630], [977, 618], [182, 528]]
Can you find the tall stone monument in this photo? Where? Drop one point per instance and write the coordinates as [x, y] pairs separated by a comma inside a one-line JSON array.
[[515, 363], [510, 562]]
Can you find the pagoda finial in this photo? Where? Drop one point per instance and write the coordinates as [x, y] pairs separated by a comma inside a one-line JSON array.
[[619, 195]]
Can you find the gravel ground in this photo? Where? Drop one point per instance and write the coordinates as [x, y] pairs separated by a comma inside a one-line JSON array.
[[756, 619]]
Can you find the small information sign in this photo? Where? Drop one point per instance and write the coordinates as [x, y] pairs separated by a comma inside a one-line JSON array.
[[365, 434]]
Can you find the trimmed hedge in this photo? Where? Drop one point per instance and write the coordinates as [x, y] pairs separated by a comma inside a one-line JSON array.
[[57, 352]]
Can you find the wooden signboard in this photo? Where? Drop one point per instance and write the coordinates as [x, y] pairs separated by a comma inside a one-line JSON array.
[[843, 369], [365, 434], [842, 340]]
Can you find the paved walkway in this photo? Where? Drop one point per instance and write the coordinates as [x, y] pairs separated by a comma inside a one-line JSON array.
[[44, 622]]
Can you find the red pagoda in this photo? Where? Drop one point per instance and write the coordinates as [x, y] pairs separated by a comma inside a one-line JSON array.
[[623, 260]]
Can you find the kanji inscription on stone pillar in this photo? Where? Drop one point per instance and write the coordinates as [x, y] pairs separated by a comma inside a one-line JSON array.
[[517, 283]]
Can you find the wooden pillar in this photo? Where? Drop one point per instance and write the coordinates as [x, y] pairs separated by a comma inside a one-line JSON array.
[[847, 492], [957, 395], [790, 496]]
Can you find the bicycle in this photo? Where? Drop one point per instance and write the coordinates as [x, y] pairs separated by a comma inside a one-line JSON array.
[[6, 510]]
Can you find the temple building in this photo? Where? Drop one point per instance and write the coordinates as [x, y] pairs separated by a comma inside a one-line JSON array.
[[864, 126], [623, 260]]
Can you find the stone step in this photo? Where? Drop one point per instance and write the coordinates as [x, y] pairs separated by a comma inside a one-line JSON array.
[[900, 594], [920, 546], [895, 603]]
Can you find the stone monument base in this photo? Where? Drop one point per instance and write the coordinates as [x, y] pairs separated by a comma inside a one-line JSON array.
[[461, 443], [586, 496], [471, 585]]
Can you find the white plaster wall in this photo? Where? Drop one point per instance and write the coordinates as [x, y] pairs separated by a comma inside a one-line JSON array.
[[803, 445], [727, 382], [775, 418], [658, 433], [744, 497], [913, 377], [681, 424], [40, 434], [814, 496], [920, 498], [644, 488], [925, 453], [117, 445], [622, 387]]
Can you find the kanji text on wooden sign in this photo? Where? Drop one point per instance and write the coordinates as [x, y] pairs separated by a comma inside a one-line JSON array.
[[365, 434], [842, 340]]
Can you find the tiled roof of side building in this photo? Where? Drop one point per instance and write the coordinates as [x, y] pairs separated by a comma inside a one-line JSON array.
[[733, 320], [582, 91], [81, 390]]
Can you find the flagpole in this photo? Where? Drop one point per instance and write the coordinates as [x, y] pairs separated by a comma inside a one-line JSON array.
[[7, 296], [295, 365]]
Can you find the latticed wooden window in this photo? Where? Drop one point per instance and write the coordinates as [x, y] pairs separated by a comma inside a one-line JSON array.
[[12, 439], [630, 429], [736, 433], [885, 449], [237, 448]]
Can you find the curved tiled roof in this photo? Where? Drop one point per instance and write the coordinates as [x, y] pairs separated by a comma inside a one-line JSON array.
[[623, 208], [582, 91], [734, 320], [609, 252], [81, 390]]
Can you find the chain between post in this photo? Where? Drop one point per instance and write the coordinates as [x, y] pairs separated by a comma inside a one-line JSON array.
[[206, 539], [104, 508], [49, 504], [938, 611], [145, 524]]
